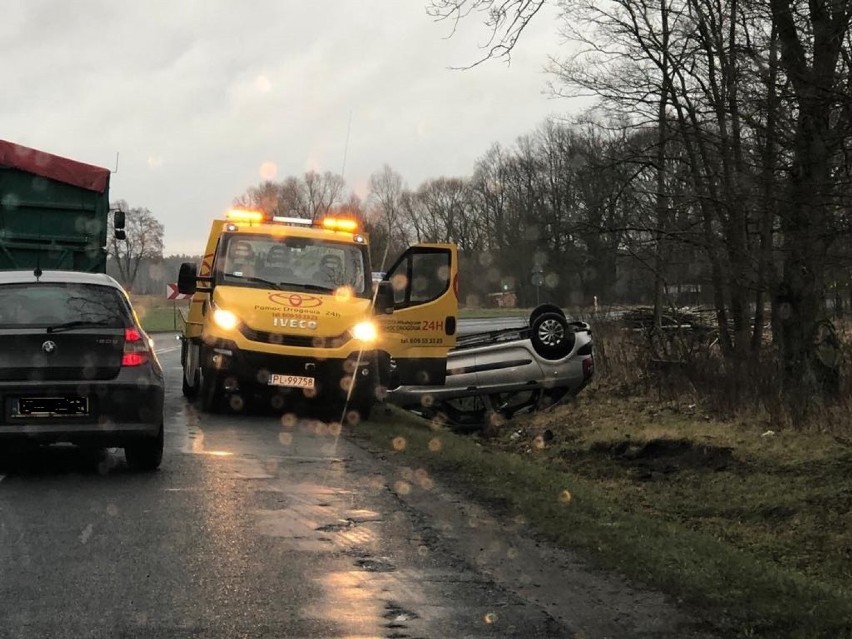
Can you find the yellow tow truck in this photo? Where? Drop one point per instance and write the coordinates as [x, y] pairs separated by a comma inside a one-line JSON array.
[[286, 309]]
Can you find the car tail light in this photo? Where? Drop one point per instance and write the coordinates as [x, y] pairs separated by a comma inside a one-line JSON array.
[[588, 367], [136, 350]]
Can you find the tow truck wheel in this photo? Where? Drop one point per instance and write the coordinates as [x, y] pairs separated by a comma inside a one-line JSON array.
[[209, 391], [190, 391], [551, 336]]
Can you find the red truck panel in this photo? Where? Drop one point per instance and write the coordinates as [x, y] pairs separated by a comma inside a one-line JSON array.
[[54, 167]]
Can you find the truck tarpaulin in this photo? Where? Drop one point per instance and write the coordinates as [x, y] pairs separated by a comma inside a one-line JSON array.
[[53, 167]]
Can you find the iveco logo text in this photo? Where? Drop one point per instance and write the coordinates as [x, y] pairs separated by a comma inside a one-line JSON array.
[[294, 323]]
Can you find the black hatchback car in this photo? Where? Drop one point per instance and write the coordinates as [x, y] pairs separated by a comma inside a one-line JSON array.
[[76, 366]]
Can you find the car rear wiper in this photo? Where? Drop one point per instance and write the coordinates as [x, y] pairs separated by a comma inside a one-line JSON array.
[[68, 326]]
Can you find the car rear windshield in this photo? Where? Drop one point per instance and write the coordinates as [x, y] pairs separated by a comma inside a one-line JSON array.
[[52, 304]]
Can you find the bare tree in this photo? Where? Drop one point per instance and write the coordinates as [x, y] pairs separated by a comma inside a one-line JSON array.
[[506, 20], [816, 56], [309, 197], [321, 192]]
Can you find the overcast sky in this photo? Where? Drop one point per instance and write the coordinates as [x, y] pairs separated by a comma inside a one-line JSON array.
[[197, 95]]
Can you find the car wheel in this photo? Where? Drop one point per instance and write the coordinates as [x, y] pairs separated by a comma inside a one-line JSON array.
[[146, 454], [208, 392], [545, 308], [551, 336]]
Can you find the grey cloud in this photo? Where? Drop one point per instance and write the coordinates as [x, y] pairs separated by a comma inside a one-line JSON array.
[[195, 95]]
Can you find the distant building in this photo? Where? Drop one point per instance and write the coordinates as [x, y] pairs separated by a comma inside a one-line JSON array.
[[503, 299]]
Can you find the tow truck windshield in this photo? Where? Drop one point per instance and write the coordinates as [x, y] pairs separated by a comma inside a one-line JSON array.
[[260, 261]]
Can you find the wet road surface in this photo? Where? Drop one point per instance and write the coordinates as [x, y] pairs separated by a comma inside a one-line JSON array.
[[251, 528]]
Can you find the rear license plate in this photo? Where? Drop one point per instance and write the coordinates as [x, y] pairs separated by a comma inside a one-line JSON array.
[[50, 407], [291, 381]]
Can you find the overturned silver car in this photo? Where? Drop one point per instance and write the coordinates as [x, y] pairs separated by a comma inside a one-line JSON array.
[[506, 366]]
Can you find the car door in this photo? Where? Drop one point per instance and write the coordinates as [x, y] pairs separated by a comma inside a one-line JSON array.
[[421, 330]]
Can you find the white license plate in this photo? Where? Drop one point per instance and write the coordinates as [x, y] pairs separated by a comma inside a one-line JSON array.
[[292, 381]]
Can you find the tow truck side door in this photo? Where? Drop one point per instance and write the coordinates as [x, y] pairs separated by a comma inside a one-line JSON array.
[[420, 332]]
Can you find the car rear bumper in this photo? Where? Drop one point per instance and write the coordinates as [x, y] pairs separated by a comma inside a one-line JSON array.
[[116, 410]]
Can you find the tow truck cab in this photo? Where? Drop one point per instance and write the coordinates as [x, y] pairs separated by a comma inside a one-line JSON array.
[[286, 308]]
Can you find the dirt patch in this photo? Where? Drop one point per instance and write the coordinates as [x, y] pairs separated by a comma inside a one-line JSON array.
[[657, 458]]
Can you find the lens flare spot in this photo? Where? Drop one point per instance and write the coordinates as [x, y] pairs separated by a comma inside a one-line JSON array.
[[565, 497], [435, 445], [490, 618], [285, 438], [399, 443], [288, 421], [268, 170], [399, 282], [343, 294], [263, 84], [236, 403], [334, 429], [402, 487]]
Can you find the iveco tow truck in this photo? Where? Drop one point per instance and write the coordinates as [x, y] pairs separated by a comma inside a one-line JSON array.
[[286, 309]]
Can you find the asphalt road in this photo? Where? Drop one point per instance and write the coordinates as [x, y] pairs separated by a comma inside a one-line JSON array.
[[251, 528], [258, 526]]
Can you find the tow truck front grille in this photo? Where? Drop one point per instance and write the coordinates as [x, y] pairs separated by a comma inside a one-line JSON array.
[[302, 341]]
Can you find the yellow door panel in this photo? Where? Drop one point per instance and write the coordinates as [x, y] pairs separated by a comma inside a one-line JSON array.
[[420, 332]]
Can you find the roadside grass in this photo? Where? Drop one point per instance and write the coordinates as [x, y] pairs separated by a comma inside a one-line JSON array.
[[752, 532], [158, 314]]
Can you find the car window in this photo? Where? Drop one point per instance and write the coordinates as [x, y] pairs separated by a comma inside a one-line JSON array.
[[48, 304]]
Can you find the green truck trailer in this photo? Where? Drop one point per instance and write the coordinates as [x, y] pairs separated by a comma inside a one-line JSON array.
[[53, 212]]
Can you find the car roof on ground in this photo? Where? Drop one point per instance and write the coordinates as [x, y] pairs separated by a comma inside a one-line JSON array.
[[65, 277]]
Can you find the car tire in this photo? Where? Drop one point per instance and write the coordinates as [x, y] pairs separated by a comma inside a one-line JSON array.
[[545, 308], [146, 454], [551, 336]]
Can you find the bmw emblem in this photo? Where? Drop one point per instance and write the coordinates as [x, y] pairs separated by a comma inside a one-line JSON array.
[[48, 347]]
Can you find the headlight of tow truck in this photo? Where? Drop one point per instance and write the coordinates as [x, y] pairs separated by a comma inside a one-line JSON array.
[[365, 332], [225, 320]]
